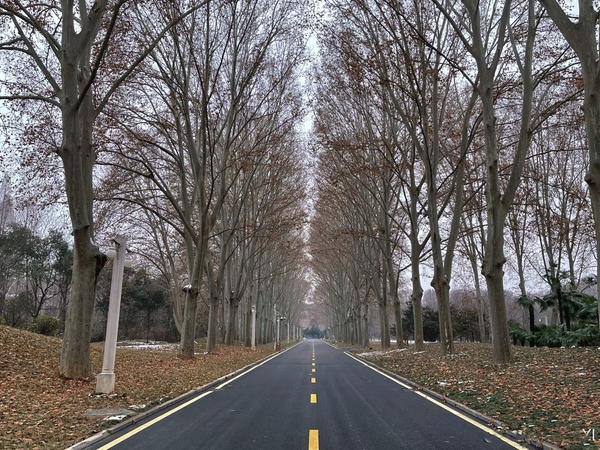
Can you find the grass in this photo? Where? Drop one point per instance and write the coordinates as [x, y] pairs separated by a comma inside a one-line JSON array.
[[41, 410], [551, 394]]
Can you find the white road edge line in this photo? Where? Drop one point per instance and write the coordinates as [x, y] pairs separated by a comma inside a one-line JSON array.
[[446, 407], [148, 424], [258, 365], [332, 346], [405, 386]]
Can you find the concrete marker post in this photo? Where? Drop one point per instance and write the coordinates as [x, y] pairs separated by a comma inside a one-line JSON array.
[[277, 336], [275, 327], [253, 327], [105, 381]]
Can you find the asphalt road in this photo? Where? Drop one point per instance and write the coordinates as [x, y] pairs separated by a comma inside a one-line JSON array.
[[311, 396]]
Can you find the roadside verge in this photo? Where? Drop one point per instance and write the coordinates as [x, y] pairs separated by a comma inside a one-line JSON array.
[[489, 422]]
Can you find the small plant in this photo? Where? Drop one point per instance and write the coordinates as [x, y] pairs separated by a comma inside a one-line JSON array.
[[46, 325]]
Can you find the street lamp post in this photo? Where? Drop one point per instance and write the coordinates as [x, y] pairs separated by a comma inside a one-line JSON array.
[[277, 339], [253, 327], [105, 381], [275, 327]]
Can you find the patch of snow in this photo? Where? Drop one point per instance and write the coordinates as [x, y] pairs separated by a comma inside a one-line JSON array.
[[381, 353], [115, 418], [108, 412], [151, 345], [137, 407]]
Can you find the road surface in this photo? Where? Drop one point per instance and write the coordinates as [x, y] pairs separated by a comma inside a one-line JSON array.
[[312, 396]]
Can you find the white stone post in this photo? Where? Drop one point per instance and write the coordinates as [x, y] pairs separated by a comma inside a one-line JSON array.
[[288, 332], [278, 334], [275, 327], [105, 381], [253, 327]]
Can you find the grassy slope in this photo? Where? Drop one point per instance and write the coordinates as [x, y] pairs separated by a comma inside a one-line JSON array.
[[39, 409]]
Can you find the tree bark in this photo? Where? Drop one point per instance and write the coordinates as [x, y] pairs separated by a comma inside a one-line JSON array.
[[87, 263], [78, 158], [211, 341], [365, 321], [231, 329]]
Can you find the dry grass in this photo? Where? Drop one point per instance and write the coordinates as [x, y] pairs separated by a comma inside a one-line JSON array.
[[552, 394], [41, 410]]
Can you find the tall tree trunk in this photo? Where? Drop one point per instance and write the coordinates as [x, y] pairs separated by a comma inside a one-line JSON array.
[[78, 158], [442, 291], [494, 277], [393, 285], [494, 249], [591, 108], [415, 263], [188, 334], [383, 318], [440, 281], [213, 305], [231, 329], [177, 301], [365, 326], [87, 263], [480, 304]]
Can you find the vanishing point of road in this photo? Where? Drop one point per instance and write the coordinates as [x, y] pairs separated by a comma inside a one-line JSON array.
[[312, 396]]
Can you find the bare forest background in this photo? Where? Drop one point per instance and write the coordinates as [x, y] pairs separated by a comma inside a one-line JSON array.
[[406, 171]]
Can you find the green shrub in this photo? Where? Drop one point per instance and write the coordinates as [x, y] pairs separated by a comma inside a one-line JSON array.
[[547, 336], [45, 325], [519, 335], [585, 336]]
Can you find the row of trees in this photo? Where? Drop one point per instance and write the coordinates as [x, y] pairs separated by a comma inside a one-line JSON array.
[[175, 124], [451, 136]]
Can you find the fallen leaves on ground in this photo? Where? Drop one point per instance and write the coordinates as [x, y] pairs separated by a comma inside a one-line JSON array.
[[41, 410], [551, 394]]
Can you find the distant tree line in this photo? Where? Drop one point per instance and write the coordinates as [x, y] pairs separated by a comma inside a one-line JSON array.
[[35, 275]]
